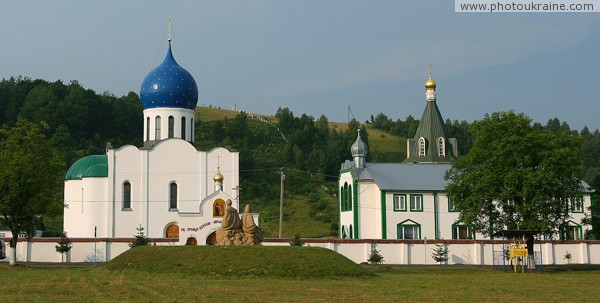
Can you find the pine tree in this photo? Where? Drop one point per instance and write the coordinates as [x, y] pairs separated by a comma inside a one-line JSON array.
[[440, 253], [140, 238]]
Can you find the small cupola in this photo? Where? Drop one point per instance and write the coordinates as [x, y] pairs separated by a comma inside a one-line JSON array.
[[359, 151], [218, 178]]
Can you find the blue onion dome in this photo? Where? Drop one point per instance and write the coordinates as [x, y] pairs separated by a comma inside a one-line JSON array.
[[169, 85]]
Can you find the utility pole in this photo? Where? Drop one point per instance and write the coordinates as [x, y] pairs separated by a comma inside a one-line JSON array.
[[282, 173]]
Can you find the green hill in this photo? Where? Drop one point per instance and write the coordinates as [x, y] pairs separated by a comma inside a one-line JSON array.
[[238, 261]]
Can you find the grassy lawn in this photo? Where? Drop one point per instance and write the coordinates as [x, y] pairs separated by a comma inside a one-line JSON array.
[[434, 284]]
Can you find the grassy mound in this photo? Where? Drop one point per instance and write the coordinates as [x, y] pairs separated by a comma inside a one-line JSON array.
[[238, 261]]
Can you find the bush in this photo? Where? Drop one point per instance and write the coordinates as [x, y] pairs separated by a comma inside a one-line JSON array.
[[140, 238], [297, 241], [375, 257]]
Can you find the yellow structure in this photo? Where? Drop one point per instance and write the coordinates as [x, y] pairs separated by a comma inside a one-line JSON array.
[[518, 250]]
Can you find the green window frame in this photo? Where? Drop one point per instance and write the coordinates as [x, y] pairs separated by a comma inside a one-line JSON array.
[[408, 230], [571, 231], [451, 206], [576, 205], [399, 203], [416, 203], [346, 197], [463, 232]]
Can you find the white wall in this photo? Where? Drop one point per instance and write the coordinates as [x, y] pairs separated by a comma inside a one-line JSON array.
[[393, 251]]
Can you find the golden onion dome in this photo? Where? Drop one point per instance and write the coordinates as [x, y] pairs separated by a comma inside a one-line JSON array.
[[218, 177], [430, 83]]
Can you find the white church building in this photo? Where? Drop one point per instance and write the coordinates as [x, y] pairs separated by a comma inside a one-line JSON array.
[[408, 200], [166, 186]]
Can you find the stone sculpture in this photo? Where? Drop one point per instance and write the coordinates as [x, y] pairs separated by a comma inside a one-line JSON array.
[[234, 231]]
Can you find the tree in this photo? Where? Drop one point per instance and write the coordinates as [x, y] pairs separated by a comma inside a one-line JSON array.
[[140, 238], [297, 241], [30, 179], [515, 176], [375, 257], [440, 253], [64, 246]]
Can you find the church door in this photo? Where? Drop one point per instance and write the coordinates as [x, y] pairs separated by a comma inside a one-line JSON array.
[[191, 241], [212, 239], [172, 231]]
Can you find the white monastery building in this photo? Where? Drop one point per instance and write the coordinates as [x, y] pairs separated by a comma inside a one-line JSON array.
[[167, 186], [408, 200]]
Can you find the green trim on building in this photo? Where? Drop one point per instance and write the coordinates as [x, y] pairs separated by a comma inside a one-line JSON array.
[[403, 223], [472, 227], [435, 216], [571, 224], [451, 203], [355, 210], [394, 203], [343, 171], [411, 206], [383, 217]]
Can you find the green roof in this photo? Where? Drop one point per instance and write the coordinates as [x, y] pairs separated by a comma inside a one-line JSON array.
[[95, 166], [431, 128]]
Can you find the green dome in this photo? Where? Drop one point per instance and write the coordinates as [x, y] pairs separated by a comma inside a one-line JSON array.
[[95, 166]]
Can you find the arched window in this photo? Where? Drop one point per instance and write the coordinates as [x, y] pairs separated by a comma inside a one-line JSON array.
[[349, 200], [218, 208], [192, 129], [342, 198], [421, 147], [350, 232], [157, 128], [171, 127], [183, 128], [441, 147], [173, 196], [148, 129], [172, 231], [126, 196]]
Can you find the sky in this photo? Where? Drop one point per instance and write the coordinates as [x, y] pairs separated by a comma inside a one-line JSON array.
[[319, 56]]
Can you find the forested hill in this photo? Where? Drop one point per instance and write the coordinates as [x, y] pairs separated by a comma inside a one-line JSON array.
[[81, 121]]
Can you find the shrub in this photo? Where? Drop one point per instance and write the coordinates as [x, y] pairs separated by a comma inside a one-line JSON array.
[[375, 257]]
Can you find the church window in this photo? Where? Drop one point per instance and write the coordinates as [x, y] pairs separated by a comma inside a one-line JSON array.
[[451, 206], [171, 127], [463, 232], [576, 205], [416, 202], [183, 128], [344, 234], [172, 231], [399, 202], [173, 197], [409, 230], [441, 147], [421, 147], [157, 128], [126, 196], [349, 198], [350, 232], [570, 231], [148, 129], [192, 129]]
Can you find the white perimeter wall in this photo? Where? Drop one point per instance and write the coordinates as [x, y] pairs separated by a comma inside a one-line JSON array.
[[393, 251]]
